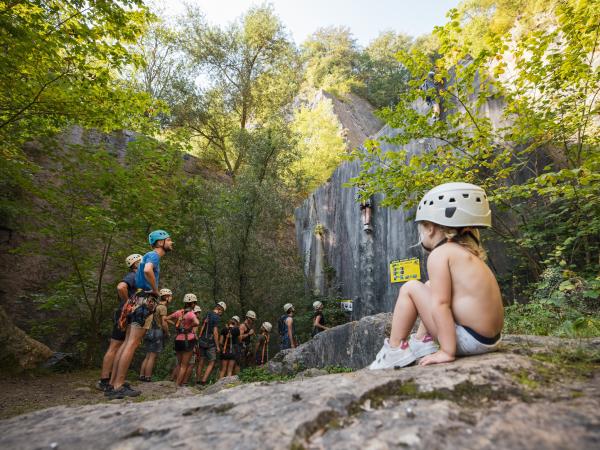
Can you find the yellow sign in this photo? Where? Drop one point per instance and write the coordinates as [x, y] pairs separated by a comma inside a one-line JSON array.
[[405, 269]]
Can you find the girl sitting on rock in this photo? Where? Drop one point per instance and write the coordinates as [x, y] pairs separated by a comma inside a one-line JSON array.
[[461, 304]]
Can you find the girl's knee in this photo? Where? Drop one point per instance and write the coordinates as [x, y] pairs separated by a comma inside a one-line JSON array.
[[410, 286]]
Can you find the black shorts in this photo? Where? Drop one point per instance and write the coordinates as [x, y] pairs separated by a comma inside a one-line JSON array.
[[117, 334], [185, 346]]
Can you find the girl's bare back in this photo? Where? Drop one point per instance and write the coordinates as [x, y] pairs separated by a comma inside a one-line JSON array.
[[476, 298]]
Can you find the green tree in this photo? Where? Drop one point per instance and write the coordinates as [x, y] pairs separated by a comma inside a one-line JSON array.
[[539, 164]]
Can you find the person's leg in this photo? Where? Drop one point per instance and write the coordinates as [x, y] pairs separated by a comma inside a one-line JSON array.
[[201, 363], [136, 334], [211, 354], [115, 366], [223, 371], [109, 358], [144, 364], [185, 359], [230, 366], [414, 298], [151, 361]]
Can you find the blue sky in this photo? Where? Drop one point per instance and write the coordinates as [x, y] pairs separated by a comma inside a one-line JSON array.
[[366, 18]]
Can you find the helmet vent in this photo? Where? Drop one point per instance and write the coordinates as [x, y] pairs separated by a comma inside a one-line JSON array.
[[419, 207], [452, 200], [441, 197], [466, 195], [431, 203], [478, 199], [450, 212]]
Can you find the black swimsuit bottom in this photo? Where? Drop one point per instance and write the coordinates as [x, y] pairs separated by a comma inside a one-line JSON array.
[[482, 339]]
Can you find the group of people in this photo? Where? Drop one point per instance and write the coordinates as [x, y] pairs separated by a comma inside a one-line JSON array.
[[143, 315]]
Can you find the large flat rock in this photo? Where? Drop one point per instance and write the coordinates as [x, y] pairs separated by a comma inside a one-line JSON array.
[[497, 400]]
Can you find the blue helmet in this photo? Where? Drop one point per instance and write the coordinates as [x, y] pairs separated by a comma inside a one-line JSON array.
[[157, 235]]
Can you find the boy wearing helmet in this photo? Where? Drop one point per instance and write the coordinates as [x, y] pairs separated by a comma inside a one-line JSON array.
[[229, 346], [261, 352], [156, 332], [146, 280], [287, 331], [318, 319], [185, 339], [208, 341], [461, 305], [125, 289]]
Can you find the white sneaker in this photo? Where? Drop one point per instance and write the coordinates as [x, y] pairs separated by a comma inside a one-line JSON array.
[[389, 357], [423, 347]]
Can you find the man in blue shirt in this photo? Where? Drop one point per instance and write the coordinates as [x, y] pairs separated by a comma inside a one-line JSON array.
[[146, 279]]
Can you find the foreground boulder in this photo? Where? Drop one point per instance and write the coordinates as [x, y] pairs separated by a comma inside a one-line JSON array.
[[534, 394], [352, 345]]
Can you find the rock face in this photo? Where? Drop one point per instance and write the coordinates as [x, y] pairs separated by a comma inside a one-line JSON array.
[[501, 400], [343, 260], [352, 344]]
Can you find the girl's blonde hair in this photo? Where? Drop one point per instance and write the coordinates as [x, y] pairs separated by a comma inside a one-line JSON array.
[[469, 238]]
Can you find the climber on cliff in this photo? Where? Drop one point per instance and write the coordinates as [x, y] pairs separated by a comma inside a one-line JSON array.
[[261, 352], [366, 207], [155, 335], [318, 319], [125, 289], [428, 85], [140, 316], [461, 305], [208, 341], [246, 333], [287, 331], [230, 347]]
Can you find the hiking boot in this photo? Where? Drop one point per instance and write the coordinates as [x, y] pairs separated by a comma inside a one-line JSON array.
[[102, 385], [423, 347], [108, 390], [123, 392], [390, 357]]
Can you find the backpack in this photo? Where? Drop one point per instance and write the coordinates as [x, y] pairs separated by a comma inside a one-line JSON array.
[[282, 325], [204, 340], [228, 340]]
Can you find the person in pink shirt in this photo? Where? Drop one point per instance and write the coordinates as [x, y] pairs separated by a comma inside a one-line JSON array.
[[185, 338]]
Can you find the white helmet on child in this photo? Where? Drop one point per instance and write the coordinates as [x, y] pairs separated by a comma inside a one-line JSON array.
[[222, 305], [267, 326], [132, 259], [197, 309], [251, 315], [190, 298], [236, 318], [455, 205], [165, 291], [317, 304], [287, 307]]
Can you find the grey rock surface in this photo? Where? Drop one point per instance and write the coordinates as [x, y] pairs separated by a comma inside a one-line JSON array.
[[348, 262], [352, 344], [476, 403]]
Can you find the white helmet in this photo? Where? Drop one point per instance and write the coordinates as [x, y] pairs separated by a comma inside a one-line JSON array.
[[455, 205], [222, 305], [165, 292], [236, 318], [132, 259], [287, 307], [267, 326], [197, 309], [190, 298], [251, 315], [317, 304]]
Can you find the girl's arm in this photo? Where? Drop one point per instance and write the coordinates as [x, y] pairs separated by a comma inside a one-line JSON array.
[[441, 291], [318, 323]]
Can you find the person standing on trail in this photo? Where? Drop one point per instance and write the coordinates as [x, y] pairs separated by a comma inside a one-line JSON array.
[[261, 352], [246, 333], [185, 339], [156, 335], [230, 347], [287, 331], [318, 319], [208, 341], [125, 289], [140, 316]]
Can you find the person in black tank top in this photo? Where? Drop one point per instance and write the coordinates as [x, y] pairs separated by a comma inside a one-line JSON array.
[[318, 319]]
